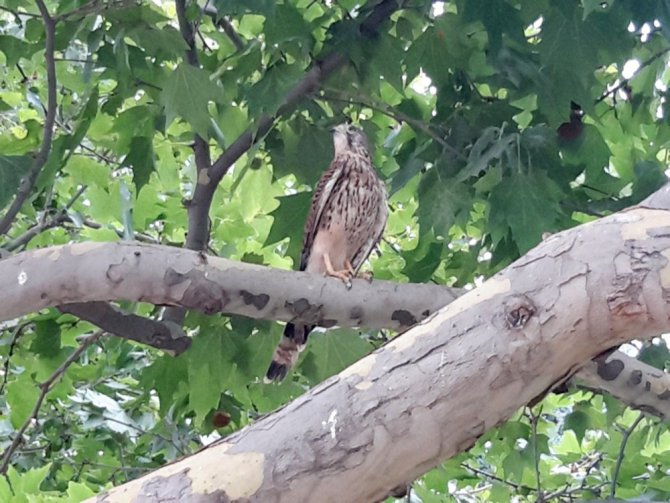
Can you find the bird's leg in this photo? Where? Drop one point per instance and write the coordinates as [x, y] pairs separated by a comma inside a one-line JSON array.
[[344, 275]]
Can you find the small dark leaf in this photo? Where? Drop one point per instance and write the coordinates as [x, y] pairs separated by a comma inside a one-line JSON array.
[[12, 169], [142, 159]]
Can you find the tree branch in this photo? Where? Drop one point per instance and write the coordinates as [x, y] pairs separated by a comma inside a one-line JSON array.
[[161, 335], [28, 182], [637, 384], [95, 7], [171, 276], [225, 25], [622, 448]]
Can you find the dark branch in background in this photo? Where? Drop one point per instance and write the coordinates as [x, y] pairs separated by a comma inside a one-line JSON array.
[[161, 335], [226, 26], [200, 146], [28, 182], [95, 7], [44, 387], [17, 14]]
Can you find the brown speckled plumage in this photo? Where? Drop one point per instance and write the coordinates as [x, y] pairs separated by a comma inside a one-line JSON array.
[[345, 221]]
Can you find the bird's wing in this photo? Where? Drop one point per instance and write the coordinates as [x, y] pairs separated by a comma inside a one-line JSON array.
[[380, 223], [321, 198]]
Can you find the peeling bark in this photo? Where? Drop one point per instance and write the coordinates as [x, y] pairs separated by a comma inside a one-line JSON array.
[[433, 391], [164, 275]]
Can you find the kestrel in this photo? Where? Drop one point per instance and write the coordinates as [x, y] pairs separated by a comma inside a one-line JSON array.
[[345, 221]]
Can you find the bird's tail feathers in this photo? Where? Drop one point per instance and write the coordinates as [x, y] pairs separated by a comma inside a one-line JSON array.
[[287, 351]]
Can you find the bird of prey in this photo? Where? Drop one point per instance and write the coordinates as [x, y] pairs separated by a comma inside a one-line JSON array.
[[345, 222]]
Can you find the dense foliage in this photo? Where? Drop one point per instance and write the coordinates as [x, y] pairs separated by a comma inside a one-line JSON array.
[[494, 121]]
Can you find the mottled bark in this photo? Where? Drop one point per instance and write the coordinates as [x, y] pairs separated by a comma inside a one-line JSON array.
[[170, 276], [636, 384], [433, 391]]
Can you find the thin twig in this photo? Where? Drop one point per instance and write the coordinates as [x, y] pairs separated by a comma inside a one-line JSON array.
[[624, 82], [16, 334], [491, 476], [18, 14], [95, 7], [45, 387], [144, 432], [28, 182], [46, 223], [536, 452], [335, 95], [619, 460]]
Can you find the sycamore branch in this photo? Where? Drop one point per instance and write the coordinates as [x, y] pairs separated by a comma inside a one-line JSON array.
[[164, 275]]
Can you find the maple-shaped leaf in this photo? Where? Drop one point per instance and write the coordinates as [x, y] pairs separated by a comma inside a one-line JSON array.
[[186, 94], [142, 159], [528, 204]]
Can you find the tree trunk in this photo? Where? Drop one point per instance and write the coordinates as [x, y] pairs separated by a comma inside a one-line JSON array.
[[433, 391]]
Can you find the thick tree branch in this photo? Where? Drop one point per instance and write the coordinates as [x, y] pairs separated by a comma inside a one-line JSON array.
[[28, 182], [637, 384], [172, 276], [431, 392]]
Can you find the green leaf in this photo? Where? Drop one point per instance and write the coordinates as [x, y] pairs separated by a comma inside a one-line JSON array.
[[287, 24], [526, 204], [15, 49], [269, 93], [289, 221], [29, 482], [186, 94], [12, 169], [489, 147], [421, 262], [142, 159], [441, 203], [332, 351], [265, 7], [47, 341], [165, 42], [655, 354], [304, 151], [21, 397]]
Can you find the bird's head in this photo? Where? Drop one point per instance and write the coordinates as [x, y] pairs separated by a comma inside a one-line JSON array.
[[349, 138]]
